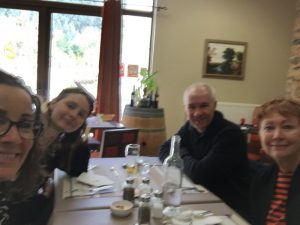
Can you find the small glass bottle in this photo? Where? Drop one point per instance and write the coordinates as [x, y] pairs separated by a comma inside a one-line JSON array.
[[144, 187], [144, 213], [173, 169], [155, 99], [132, 100], [128, 189], [157, 205]]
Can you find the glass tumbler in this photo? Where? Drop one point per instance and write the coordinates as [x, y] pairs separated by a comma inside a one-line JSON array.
[[132, 153]]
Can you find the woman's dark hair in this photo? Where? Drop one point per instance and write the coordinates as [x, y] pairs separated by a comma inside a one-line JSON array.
[[65, 92], [13, 81]]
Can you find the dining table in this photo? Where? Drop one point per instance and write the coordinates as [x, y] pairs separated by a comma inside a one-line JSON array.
[[94, 208], [104, 216]]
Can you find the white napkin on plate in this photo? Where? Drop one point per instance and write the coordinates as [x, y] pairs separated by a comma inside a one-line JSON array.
[[73, 188], [93, 179], [200, 217]]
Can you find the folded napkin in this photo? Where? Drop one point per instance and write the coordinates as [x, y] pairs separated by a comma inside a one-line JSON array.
[[95, 180], [88, 184], [210, 220], [198, 217]]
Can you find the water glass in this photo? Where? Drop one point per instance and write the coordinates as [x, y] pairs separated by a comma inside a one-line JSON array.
[[132, 153]]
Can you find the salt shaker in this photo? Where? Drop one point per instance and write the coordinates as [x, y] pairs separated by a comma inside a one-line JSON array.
[[144, 187], [157, 205]]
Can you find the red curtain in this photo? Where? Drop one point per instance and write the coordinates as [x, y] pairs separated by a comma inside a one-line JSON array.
[[108, 81]]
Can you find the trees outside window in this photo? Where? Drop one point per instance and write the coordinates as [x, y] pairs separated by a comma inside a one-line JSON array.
[[56, 44]]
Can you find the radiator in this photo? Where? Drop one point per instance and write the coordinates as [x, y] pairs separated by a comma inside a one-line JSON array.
[[236, 111]]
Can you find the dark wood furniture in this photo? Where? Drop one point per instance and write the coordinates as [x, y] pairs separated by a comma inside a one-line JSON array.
[[114, 141]]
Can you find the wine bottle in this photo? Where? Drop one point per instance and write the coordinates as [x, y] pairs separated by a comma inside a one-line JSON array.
[[173, 172], [132, 100], [155, 99]]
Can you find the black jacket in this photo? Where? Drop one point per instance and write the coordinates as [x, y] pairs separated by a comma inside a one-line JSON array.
[[33, 211], [72, 158], [216, 159]]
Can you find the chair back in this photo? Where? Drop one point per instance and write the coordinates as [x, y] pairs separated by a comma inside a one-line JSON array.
[[114, 141]]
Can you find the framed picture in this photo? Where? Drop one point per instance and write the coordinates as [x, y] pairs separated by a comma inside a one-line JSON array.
[[224, 59]]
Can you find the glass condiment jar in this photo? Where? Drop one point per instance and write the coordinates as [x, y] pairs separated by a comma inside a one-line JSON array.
[[128, 189], [144, 187], [144, 212], [157, 204]]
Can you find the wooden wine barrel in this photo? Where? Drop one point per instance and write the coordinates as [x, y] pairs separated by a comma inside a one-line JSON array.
[[151, 124]]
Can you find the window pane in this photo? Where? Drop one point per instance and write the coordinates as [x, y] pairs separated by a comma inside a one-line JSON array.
[[18, 44], [75, 50], [135, 51], [82, 2], [140, 5]]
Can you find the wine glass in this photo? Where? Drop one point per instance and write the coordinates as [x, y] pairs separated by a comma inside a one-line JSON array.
[[132, 153]]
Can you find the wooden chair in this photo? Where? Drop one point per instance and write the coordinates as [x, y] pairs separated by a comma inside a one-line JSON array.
[[114, 141]]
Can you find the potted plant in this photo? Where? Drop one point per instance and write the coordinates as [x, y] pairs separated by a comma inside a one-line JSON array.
[[147, 92]]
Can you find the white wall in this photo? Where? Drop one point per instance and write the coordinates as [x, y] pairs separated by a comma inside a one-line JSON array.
[[181, 30], [236, 111]]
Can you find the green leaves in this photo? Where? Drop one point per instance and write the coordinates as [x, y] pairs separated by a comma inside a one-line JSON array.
[[148, 80]]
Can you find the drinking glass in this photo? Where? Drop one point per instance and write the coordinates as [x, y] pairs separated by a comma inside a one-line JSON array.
[[132, 153], [144, 169]]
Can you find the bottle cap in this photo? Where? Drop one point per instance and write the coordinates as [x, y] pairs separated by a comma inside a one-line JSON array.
[[158, 194], [129, 180], [146, 180], [145, 197]]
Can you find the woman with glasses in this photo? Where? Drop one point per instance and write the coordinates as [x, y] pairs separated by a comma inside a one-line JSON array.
[[21, 201], [64, 123], [276, 190]]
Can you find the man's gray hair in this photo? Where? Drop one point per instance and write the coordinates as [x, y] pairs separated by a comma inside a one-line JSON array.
[[200, 86]]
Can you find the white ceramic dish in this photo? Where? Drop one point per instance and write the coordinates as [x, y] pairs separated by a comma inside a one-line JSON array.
[[121, 208]]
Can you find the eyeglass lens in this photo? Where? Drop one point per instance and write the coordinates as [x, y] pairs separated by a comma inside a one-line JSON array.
[[25, 127]]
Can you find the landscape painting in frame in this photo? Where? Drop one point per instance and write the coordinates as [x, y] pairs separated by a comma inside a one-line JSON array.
[[224, 59]]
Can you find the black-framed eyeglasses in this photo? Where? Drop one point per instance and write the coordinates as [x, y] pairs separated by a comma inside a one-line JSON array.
[[28, 129]]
